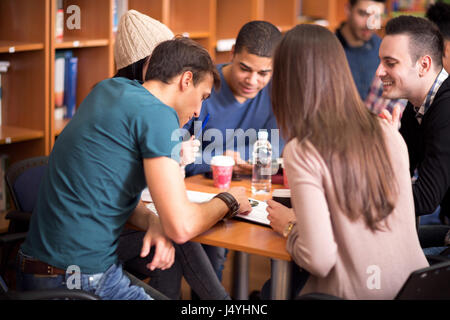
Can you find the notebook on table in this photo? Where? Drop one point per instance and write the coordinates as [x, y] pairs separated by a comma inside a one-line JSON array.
[[257, 215]]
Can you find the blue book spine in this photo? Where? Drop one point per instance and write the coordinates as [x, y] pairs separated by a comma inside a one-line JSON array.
[[67, 55], [72, 94]]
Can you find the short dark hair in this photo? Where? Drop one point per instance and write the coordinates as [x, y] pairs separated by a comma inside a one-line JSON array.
[[439, 13], [258, 37], [173, 57], [424, 35], [353, 2]]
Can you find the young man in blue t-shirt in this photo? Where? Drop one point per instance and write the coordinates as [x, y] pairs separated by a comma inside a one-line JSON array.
[[119, 142], [242, 106], [239, 109]]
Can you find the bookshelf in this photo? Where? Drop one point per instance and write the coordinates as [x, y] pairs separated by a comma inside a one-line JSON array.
[[28, 42], [92, 44], [233, 14], [24, 42], [333, 11], [194, 18]]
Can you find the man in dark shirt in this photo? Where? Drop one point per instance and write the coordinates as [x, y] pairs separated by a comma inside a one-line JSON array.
[[411, 68]]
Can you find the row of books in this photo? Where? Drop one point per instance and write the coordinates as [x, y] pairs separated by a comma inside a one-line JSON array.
[[4, 194], [4, 65], [4, 159], [66, 70], [411, 5]]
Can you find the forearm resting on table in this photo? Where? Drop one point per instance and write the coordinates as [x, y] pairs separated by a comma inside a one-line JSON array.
[[181, 219]]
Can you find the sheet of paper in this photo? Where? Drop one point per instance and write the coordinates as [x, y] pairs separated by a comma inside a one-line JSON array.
[[258, 213]]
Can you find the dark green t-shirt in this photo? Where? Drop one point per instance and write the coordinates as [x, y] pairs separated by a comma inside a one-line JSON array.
[[95, 175]]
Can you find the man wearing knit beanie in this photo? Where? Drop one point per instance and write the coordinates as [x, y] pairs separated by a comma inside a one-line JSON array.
[[137, 36]]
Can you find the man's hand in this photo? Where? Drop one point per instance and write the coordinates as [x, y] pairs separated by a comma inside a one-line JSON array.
[[241, 197], [394, 118], [279, 215], [241, 166], [164, 250], [189, 150]]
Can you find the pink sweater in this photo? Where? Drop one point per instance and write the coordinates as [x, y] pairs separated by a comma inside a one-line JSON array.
[[345, 258]]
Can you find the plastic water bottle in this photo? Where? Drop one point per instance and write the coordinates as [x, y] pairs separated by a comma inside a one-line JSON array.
[[262, 165]]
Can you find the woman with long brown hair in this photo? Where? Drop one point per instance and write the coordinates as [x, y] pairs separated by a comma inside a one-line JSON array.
[[354, 224]]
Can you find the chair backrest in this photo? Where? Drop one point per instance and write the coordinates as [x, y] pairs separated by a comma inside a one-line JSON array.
[[3, 287], [23, 179], [432, 283]]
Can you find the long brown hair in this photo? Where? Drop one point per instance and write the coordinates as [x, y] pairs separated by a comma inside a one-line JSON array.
[[315, 99]]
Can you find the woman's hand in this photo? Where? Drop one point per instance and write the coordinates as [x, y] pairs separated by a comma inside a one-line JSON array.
[[279, 215], [394, 118]]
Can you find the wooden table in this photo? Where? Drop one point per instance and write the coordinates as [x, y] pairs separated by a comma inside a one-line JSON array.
[[247, 238]]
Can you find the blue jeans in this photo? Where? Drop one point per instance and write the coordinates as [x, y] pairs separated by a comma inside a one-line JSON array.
[[191, 262], [433, 251], [113, 284], [217, 256]]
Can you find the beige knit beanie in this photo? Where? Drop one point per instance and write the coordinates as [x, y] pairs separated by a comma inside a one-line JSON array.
[[137, 36]]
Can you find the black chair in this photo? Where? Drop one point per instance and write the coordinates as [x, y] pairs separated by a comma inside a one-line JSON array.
[[431, 283], [45, 294], [23, 179]]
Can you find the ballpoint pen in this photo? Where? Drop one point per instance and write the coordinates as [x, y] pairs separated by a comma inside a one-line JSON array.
[[203, 126]]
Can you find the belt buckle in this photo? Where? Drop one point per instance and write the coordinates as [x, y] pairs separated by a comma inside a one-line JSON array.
[[49, 270]]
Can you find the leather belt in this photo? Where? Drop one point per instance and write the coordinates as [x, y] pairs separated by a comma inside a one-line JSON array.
[[40, 268]]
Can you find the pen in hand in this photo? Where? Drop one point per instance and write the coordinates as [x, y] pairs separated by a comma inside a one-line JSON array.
[[203, 126]]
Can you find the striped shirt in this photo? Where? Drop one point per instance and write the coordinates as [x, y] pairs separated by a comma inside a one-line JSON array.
[[420, 111], [376, 103]]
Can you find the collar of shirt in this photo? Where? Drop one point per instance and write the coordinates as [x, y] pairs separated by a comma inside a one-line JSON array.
[[420, 111]]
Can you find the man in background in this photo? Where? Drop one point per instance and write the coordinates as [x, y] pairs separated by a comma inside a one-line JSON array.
[[239, 109], [361, 44], [242, 106]]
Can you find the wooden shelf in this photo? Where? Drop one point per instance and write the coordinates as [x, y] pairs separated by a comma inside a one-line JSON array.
[[10, 134], [75, 43], [194, 35], [4, 223], [92, 44], [17, 46]]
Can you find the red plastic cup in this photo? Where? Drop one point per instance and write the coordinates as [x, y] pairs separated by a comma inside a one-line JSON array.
[[222, 169]]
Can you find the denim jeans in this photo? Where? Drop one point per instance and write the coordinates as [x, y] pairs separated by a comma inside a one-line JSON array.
[[113, 284], [217, 256], [191, 262]]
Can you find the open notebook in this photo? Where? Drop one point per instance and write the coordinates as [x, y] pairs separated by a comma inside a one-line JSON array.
[[258, 213]]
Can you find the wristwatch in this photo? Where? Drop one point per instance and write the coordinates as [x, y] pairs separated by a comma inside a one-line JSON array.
[[287, 230], [231, 203]]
